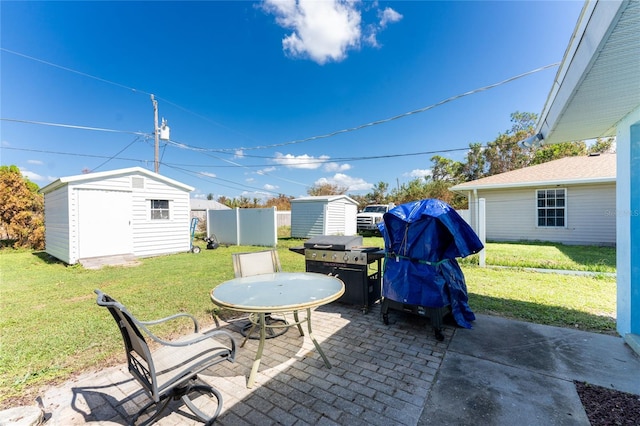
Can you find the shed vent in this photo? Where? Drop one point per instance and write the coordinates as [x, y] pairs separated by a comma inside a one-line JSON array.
[[137, 183]]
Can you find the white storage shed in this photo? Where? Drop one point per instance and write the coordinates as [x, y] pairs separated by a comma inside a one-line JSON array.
[[121, 212], [323, 215]]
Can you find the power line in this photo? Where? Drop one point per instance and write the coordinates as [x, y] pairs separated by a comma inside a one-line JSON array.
[[115, 155], [406, 114], [73, 126], [312, 138], [84, 74], [121, 86], [234, 164]]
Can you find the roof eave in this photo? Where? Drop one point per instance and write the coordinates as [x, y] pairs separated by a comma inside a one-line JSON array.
[[463, 189]]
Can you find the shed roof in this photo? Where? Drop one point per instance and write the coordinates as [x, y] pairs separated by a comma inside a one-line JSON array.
[[324, 198], [569, 170], [109, 174]]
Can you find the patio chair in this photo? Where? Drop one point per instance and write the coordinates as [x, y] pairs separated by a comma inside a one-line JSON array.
[[246, 264], [256, 262], [171, 371]]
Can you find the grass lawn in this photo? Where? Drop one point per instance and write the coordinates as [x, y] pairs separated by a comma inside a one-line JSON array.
[[51, 326]]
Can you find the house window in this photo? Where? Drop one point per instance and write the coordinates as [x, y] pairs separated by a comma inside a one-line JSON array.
[[159, 209], [552, 208]]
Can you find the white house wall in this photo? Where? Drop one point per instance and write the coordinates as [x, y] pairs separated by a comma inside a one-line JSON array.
[[57, 232], [590, 215]]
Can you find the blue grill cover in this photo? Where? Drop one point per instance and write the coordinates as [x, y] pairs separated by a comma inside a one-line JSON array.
[[422, 241]]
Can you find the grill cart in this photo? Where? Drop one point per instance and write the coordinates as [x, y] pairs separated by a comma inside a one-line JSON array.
[[421, 275], [345, 257]]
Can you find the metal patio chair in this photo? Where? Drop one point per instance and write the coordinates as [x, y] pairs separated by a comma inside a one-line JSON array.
[[171, 371], [246, 264]]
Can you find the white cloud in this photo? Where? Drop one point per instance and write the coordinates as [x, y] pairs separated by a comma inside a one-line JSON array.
[[32, 176], [335, 167], [300, 161], [238, 154], [321, 30], [416, 173], [345, 181], [269, 187], [208, 174], [6, 143], [265, 171], [326, 30], [387, 16], [36, 162]]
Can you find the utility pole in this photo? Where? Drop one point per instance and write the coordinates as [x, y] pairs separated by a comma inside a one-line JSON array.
[[156, 135]]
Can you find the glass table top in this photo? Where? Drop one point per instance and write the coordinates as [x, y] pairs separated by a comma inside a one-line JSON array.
[[279, 291]]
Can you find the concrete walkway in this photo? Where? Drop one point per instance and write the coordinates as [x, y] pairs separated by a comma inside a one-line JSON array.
[[500, 373]]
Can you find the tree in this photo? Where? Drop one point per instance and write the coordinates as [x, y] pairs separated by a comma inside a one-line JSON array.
[[474, 167], [281, 202], [326, 189], [21, 209], [602, 146], [556, 151], [209, 196], [445, 169]]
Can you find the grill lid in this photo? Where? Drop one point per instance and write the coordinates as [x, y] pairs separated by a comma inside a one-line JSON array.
[[334, 242]]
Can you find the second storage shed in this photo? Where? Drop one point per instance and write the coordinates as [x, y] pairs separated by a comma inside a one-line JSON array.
[[323, 215]]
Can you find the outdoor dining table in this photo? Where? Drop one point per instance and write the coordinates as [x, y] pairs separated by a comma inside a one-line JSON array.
[[274, 293]]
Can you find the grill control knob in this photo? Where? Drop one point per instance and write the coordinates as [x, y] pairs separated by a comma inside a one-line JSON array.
[[345, 257]]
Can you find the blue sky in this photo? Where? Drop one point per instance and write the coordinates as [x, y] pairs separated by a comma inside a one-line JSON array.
[[252, 90]]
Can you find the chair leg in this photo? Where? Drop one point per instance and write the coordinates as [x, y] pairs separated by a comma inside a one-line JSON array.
[[183, 393], [195, 410], [160, 407]]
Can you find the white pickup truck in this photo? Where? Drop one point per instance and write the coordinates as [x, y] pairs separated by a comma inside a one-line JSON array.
[[369, 218]]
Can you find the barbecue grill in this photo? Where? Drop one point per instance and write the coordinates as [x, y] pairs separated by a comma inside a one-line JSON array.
[[344, 256]]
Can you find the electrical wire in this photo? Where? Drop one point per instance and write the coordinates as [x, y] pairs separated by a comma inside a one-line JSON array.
[[74, 126], [115, 156], [297, 141]]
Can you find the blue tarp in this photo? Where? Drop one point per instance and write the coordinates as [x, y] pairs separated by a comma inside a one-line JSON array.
[[422, 241]]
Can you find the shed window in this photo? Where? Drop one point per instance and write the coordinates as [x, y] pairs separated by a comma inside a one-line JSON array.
[[552, 208], [159, 209]]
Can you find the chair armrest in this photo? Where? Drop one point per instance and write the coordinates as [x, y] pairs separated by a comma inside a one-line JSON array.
[[196, 339], [180, 315]]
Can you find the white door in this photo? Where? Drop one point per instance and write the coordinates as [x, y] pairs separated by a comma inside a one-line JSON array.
[[104, 223]]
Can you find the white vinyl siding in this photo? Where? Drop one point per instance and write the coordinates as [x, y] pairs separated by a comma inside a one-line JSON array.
[[57, 231], [307, 219], [155, 237], [511, 215]]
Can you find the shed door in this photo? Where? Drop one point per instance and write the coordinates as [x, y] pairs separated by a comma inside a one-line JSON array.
[[104, 223]]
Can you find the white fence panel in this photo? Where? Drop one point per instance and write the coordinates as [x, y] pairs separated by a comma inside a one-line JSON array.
[[256, 227]]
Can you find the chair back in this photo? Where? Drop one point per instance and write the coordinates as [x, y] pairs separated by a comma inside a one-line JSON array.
[[138, 354], [255, 263]]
